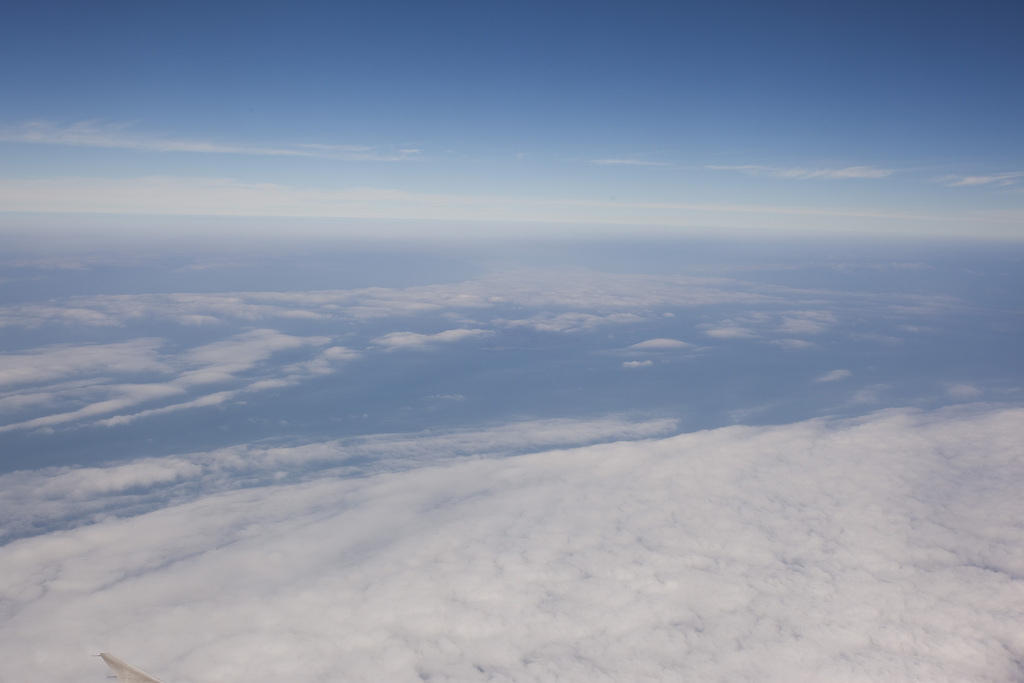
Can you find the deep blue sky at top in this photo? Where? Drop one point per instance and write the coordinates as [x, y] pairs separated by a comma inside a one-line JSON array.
[[522, 98]]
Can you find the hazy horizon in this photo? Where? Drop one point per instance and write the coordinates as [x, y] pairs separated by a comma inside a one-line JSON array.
[[466, 341]]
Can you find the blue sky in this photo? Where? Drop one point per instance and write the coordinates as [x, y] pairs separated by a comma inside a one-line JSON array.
[[852, 117], [642, 449]]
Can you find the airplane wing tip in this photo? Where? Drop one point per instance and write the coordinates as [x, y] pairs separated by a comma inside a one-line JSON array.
[[125, 672]]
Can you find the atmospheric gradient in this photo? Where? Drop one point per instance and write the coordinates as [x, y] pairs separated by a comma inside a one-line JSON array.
[[455, 341]]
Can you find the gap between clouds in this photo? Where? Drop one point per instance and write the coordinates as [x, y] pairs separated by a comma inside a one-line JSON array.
[[34, 501], [86, 382]]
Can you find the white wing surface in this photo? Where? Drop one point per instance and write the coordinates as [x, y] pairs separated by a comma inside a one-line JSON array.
[[126, 673]]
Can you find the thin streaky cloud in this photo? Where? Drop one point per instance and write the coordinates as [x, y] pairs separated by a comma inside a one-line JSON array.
[[160, 195], [999, 179], [118, 135], [799, 173]]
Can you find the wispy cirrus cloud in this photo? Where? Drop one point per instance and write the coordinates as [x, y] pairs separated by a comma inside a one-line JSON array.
[[786, 172], [120, 136], [801, 173], [997, 179]]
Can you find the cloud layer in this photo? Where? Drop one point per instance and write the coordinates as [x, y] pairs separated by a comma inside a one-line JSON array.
[[883, 548]]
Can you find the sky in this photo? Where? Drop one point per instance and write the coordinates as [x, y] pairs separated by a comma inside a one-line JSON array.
[[511, 341], [505, 118]]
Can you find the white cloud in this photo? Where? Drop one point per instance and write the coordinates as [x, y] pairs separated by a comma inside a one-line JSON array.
[[883, 548], [119, 135], [205, 401], [394, 341], [289, 375], [833, 376], [224, 360], [194, 369], [241, 352], [728, 331], [761, 322], [51, 363], [324, 364], [806, 173], [638, 363], [124, 396], [660, 345]]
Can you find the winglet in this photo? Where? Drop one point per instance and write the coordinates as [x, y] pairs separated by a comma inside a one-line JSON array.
[[125, 672]]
